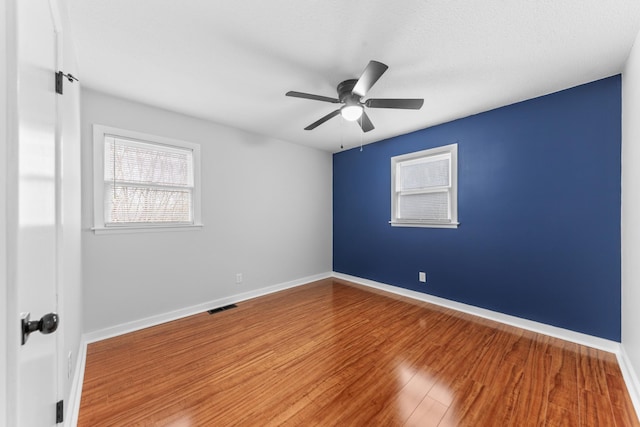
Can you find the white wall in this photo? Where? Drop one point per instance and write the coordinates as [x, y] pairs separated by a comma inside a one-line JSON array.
[[267, 213], [631, 214]]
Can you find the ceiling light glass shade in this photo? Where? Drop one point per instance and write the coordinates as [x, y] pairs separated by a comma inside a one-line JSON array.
[[351, 112]]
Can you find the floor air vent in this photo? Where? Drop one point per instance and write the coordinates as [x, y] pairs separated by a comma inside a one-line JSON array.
[[219, 309]]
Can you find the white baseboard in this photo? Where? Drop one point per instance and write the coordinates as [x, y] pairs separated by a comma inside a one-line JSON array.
[[565, 334], [630, 378], [136, 325], [73, 406]]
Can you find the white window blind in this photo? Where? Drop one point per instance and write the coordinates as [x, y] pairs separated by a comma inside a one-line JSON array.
[[424, 189], [424, 173], [147, 183], [425, 206], [144, 181]]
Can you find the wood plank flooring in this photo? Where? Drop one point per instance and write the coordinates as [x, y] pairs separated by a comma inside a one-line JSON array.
[[334, 353]]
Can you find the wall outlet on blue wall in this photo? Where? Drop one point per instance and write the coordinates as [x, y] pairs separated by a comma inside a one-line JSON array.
[[422, 276]]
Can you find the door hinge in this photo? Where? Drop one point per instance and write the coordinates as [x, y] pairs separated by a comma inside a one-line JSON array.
[[60, 411], [59, 80]]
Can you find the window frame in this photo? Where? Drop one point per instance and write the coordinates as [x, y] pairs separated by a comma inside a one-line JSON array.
[[100, 132], [450, 151]]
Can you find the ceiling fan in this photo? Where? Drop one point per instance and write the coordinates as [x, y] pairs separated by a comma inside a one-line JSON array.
[[351, 92]]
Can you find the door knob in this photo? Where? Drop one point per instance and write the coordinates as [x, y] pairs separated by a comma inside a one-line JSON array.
[[46, 325]]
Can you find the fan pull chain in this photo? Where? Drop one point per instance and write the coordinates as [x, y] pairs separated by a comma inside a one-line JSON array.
[[342, 134]]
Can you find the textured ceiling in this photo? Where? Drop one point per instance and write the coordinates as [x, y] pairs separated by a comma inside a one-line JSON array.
[[232, 61]]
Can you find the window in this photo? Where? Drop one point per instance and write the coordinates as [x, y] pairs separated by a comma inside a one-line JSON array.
[[424, 188], [144, 182]]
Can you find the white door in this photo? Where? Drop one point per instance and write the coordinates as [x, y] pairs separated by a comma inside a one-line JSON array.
[[33, 220]]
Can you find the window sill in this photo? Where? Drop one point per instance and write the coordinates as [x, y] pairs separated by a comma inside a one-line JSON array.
[[123, 229], [425, 224]]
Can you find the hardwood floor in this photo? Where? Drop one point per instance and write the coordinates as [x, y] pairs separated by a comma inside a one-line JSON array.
[[333, 353]]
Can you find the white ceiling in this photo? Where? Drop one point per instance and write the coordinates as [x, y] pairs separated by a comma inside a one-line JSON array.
[[232, 61]]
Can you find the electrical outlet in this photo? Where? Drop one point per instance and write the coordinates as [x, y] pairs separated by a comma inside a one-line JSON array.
[[422, 276], [238, 278]]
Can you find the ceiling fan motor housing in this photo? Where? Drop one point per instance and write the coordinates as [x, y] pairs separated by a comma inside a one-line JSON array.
[[345, 92]]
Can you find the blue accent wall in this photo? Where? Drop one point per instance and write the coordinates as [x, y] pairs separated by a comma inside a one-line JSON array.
[[538, 205]]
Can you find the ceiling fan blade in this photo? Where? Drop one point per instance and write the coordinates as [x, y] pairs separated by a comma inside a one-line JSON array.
[[312, 96], [406, 104], [365, 123], [369, 77], [322, 120]]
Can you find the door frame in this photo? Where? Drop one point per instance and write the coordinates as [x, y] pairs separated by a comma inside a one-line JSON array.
[[59, 65], [10, 335], [4, 138]]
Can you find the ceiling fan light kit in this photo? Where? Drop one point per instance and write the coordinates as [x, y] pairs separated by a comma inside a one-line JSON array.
[[351, 92], [351, 112]]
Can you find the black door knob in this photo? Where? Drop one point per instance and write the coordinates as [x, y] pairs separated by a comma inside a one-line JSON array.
[[46, 325]]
